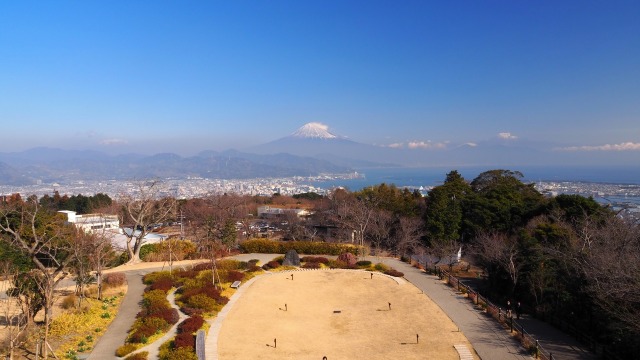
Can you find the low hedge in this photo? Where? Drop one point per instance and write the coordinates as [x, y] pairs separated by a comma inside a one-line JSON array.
[[125, 349], [143, 355], [301, 247], [315, 259], [394, 272], [112, 280]]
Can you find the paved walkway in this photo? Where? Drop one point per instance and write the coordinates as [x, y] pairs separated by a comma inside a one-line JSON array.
[[489, 339], [154, 348], [116, 333]]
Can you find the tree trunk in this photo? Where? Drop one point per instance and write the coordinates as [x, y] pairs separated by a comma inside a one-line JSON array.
[[99, 282], [134, 254]]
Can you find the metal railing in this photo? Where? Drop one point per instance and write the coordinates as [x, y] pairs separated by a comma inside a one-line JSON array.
[[526, 339], [505, 319]]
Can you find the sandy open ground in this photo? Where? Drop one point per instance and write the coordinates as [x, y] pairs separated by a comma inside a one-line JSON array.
[[311, 327]]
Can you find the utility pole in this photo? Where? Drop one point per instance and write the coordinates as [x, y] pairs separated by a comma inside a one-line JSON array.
[[181, 225]]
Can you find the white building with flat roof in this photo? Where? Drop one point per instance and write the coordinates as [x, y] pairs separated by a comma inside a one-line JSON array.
[[93, 222]]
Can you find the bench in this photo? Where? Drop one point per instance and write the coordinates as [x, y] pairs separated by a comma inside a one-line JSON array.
[[235, 285]]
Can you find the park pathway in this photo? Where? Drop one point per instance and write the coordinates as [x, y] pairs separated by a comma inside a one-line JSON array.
[[117, 331], [489, 339], [153, 349]]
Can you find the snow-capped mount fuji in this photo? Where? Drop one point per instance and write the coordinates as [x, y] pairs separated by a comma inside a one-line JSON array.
[[315, 140], [314, 130]]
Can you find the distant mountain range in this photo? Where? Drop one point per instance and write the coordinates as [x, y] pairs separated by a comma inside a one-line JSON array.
[[55, 165], [311, 150]]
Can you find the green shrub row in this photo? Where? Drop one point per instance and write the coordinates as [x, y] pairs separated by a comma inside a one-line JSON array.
[[302, 247]]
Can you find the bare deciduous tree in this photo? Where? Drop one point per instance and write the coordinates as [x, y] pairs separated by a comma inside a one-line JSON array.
[[92, 251], [501, 250], [140, 212], [46, 241], [354, 214], [13, 313], [408, 234], [608, 256], [379, 230]]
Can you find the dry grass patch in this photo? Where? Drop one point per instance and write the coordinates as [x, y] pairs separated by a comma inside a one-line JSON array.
[[340, 314], [76, 330]]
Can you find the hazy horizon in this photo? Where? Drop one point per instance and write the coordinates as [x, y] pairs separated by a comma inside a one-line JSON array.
[[557, 79]]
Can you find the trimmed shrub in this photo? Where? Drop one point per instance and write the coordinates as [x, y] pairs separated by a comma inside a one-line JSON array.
[[394, 272], [69, 302], [363, 263], [382, 267], [311, 265], [191, 311], [170, 315], [253, 268], [273, 264], [164, 284], [185, 274], [155, 299], [177, 249], [234, 275], [141, 336], [266, 246], [142, 355], [156, 322], [191, 325], [337, 264], [177, 354], [315, 259], [112, 280], [206, 290], [154, 276], [146, 250], [228, 264], [203, 266], [253, 262], [348, 258], [185, 340], [147, 327], [125, 349], [202, 301]]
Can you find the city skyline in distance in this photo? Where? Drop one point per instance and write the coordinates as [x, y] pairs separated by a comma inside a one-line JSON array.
[[543, 83]]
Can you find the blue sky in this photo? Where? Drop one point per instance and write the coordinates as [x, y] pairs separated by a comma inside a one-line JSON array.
[[185, 76]]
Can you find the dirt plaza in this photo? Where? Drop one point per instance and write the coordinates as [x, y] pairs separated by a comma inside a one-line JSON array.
[[340, 314]]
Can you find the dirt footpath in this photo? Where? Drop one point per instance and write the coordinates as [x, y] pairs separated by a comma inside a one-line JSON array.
[[338, 314]]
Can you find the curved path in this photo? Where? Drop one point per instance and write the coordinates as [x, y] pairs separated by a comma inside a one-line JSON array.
[[117, 331], [154, 348], [488, 338]]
